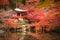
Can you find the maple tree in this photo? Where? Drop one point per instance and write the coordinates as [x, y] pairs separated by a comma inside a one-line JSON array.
[[11, 23], [46, 17]]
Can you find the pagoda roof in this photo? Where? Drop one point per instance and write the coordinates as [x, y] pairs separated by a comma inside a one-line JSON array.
[[20, 10]]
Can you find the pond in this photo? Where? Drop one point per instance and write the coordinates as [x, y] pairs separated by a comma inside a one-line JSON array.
[[29, 36]]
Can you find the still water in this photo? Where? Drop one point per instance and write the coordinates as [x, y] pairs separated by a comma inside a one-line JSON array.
[[28, 36]]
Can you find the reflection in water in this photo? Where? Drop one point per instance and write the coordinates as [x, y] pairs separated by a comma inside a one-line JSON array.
[[28, 36], [12, 36]]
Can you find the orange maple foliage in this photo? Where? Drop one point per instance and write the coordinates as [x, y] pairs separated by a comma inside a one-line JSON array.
[[11, 23]]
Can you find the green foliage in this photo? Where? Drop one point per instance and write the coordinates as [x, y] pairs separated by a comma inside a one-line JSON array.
[[27, 20], [12, 4], [42, 1], [57, 28], [22, 1], [2, 26]]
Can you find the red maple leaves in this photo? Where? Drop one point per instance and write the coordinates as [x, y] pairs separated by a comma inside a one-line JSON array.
[[46, 17]]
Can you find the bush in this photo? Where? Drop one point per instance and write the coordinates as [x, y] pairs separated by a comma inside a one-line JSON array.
[[56, 29]]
